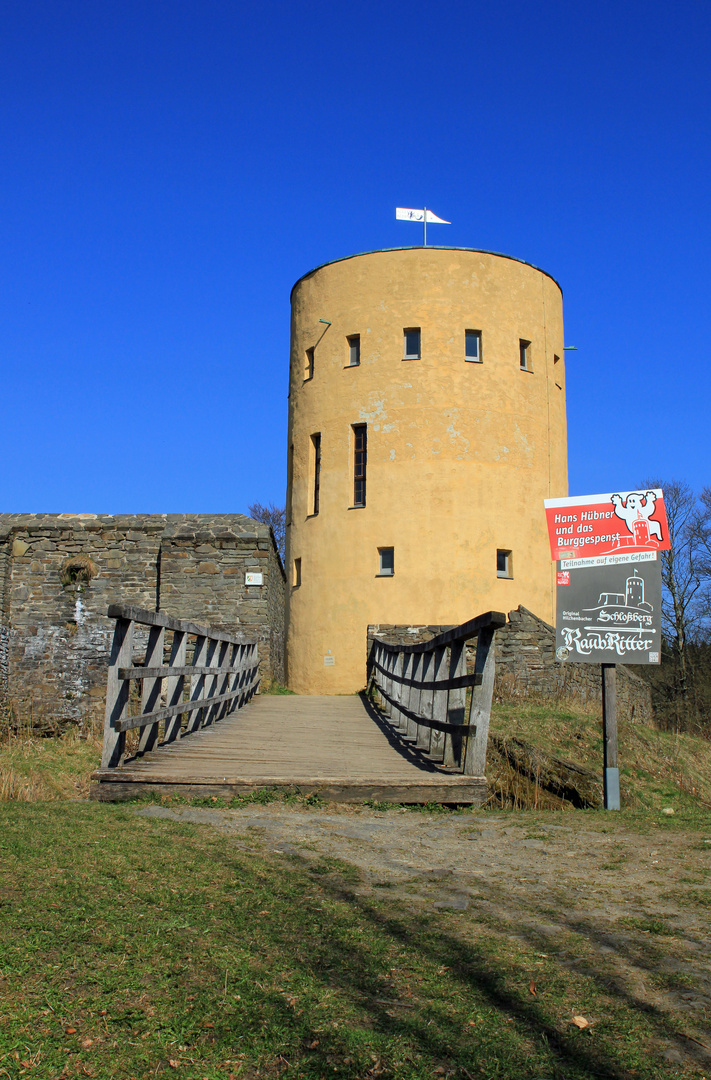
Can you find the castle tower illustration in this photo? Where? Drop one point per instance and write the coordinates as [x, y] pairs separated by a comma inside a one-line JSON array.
[[635, 590], [427, 424]]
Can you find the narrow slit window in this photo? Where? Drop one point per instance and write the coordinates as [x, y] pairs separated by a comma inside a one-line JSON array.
[[504, 565], [316, 443], [290, 483], [297, 573], [360, 462], [309, 365], [412, 343], [472, 346], [354, 350], [386, 562], [524, 349]]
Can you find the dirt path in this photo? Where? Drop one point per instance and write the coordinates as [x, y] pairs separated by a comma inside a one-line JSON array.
[[630, 904]]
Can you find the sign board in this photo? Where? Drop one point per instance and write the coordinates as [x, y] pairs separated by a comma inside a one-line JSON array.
[[609, 609], [329, 661], [252, 578], [619, 523]]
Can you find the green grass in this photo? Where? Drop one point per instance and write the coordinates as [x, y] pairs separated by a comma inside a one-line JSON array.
[[268, 687], [657, 768], [131, 947]]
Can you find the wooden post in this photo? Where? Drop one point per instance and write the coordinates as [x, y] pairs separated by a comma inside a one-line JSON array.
[[117, 695], [216, 662], [197, 684], [456, 703], [424, 733], [480, 708], [175, 683], [250, 656], [235, 653], [395, 714], [384, 679], [413, 697], [252, 679], [239, 678], [611, 773], [223, 681], [150, 696], [407, 659], [439, 702], [211, 660], [232, 684]]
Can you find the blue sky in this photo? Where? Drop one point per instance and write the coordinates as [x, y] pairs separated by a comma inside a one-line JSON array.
[[169, 169]]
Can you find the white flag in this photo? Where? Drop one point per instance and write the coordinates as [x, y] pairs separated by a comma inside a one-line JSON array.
[[403, 214]]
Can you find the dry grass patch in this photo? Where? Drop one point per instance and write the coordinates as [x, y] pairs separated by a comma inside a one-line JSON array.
[[32, 768]]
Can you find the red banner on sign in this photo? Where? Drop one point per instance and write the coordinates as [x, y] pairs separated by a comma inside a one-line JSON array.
[[619, 523]]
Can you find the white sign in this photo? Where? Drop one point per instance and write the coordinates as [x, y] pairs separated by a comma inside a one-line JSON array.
[[329, 661], [254, 579]]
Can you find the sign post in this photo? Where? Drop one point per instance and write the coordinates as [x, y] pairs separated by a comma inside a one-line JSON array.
[[608, 593], [611, 782]]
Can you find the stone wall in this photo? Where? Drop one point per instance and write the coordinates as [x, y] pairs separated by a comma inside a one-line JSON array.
[[526, 666], [59, 573]]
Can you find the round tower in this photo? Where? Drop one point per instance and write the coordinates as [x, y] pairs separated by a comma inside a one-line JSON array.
[[426, 427]]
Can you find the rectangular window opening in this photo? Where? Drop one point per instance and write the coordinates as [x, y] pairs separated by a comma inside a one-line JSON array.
[[289, 483], [412, 343], [524, 348], [504, 564], [386, 562], [316, 444], [297, 573], [309, 366], [472, 346], [353, 350], [360, 462]]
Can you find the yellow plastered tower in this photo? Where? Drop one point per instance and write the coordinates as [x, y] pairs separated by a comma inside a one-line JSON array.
[[426, 426]]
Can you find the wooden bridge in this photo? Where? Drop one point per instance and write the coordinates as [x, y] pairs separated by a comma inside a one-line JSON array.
[[419, 734]]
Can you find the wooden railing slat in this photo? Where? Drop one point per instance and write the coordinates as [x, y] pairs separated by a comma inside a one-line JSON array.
[[197, 683], [456, 703], [168, 711], [458, 633], [461, 681], [223, 676], [164, 671], [423, 688], [159, 618], [480, 709], [439, 703], [116, 695], [438, 725], [151, 688]]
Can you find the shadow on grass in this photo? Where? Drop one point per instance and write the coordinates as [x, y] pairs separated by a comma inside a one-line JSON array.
[[484, 980], [293, 969]]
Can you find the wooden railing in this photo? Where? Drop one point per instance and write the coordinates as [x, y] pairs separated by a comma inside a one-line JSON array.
[[221, 677], [423, 690]]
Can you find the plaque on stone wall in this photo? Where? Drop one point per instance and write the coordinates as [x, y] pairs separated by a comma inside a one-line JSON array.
[[252, 578], [609, 609]]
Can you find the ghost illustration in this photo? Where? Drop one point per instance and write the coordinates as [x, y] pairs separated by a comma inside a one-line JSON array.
[[638, 506]]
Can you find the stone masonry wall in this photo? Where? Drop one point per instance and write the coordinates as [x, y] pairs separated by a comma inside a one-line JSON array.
[[54, 632], [526, 665], [202, 577]]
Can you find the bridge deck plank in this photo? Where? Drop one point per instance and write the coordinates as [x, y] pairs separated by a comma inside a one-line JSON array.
[[294, 741]]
